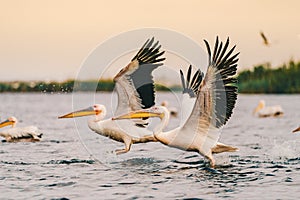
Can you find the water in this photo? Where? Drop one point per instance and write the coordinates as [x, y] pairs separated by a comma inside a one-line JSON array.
[[266, 167]]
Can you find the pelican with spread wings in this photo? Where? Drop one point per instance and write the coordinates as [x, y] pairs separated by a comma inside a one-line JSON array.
[[214, 99], [135, 89]]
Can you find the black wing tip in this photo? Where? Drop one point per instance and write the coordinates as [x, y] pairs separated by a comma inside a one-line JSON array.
[[191, 87], [222, 58], [149, 53]]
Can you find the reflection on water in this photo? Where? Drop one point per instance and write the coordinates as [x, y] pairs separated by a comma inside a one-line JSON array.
[[267, 165]]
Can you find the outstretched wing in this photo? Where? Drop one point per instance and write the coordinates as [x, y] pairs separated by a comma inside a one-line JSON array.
[[217, 94], [134, 83]]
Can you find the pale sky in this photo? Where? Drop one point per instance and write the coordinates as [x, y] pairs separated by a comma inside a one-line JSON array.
[[49, 40]]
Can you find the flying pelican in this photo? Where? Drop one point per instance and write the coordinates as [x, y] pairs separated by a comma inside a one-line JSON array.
[[16, 134], [215, 100], [135, 89], [265, 40], [268, 111], [297, 129]]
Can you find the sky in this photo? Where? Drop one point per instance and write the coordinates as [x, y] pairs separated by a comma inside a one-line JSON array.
[[49, 40]]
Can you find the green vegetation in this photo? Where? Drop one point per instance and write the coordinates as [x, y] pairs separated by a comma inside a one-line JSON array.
[[262, 79], [265, 79]]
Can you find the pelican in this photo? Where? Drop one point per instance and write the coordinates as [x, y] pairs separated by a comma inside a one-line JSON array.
[[135, 89], [215, 99], [265, 40], [173, 111], [16, 134], [297, 129], [268, 111]]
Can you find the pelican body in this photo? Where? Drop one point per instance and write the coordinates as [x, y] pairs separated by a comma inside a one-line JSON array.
[[189, 141], [135, 89], [19, 134], [214, 98]]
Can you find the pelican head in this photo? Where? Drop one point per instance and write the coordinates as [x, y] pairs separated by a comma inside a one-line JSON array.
[[155, 111], [10, 121], [98, 110], [165, 103], [260, 106]]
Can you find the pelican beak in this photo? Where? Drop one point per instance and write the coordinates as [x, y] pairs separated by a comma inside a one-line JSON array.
[[6, 123], [139, 114], [80, 113], [297, 129]]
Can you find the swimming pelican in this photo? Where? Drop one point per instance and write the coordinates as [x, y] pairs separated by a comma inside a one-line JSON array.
[[268, 111], [135, 89], [16, 134], [215, 100], [173, 111], [297, 129]]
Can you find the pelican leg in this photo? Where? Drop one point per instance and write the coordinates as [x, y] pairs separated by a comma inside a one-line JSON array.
[[211, 160], [128, 142]]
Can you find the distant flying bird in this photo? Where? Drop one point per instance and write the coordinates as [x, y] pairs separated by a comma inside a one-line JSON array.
[[214, 99], [297, 129], [268, 111], [265, 40], [19, 134], [135, 89]]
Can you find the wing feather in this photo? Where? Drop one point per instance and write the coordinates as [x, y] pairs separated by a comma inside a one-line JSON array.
[[217, 94], [191, 86], [222, 86], [134, 83]]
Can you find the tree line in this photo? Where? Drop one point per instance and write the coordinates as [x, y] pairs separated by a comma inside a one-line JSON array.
[[261, 79], [266, 79], [67, 86]]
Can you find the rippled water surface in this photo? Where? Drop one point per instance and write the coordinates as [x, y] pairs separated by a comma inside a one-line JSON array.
[[72, 162]]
